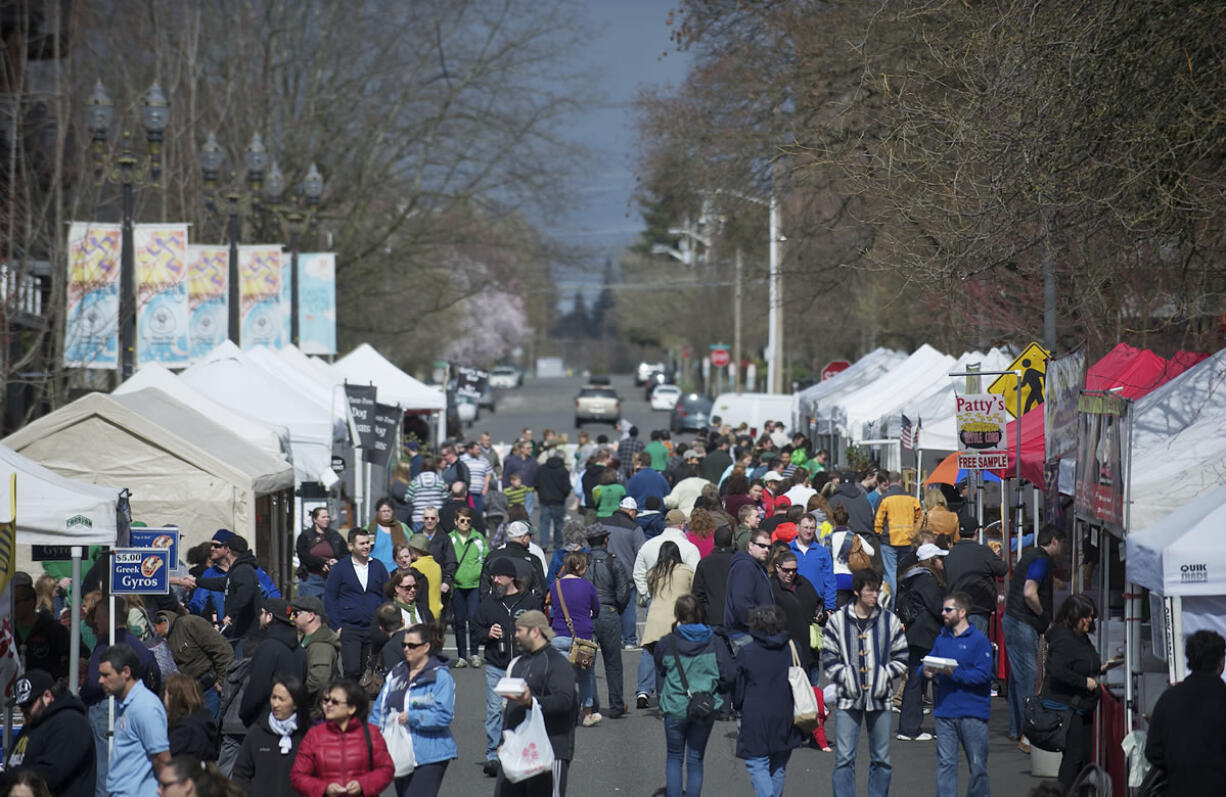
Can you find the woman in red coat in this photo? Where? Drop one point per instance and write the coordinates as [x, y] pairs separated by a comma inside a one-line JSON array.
[[343, 752]]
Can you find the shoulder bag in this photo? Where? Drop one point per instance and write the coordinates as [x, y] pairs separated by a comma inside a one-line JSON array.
[[804, 701], [582, 651], [1047, 728], [399, 739], [702, 704]]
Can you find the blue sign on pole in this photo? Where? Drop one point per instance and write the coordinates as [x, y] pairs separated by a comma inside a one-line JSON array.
[[166, 537], [140, 571]]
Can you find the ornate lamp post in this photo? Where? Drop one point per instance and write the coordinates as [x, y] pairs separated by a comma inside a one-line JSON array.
[[126, 170], [295, 219]]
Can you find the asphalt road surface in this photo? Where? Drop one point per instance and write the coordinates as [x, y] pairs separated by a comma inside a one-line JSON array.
[[626, 756]]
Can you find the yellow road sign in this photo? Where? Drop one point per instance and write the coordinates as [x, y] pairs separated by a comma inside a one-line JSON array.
[[1032, 362]]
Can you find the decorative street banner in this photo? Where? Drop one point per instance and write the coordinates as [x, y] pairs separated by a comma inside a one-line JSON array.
[[1066, 377], [259, 296], [386, 434], [981, 420], [362, 410], [208, 297], [161, 294], [287, 296], [1102, 431], [91, 333], [317, 303]]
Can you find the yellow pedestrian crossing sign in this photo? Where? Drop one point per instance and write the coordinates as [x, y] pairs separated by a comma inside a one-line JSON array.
[[1032, 362]]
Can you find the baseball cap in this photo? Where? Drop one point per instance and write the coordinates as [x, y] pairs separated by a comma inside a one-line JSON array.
[[771, 476], [928, 550], [518, 529], [691, 454], [30, 687], [783, 501], [675, 517], [629, 503], [535, 619], [279, 609]]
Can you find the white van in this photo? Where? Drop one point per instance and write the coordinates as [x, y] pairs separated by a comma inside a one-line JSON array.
[[753, 409]]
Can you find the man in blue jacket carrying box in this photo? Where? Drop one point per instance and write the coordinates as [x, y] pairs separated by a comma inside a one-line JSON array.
[[963, 696]]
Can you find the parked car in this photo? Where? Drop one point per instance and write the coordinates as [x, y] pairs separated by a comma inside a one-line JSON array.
[[657, 378], [692, 412], [506, 377], [486, 400], [664, 397], [644, 372], [597, 404]]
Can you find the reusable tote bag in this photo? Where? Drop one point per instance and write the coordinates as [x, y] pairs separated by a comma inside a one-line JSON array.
[[526, 751], [804, 702], [399, 740]]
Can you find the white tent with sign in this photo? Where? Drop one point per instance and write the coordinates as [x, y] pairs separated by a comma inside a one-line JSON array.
[[366, 366], [229, 377], [55, 510], [268, 437], [180, 466], [935, 406], [1181, 557]]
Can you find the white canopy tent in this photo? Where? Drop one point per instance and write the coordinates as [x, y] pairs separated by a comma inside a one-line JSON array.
[[364, 365], [317, 368], [851, 410], [813, 399], [229, 377], [55, 510], [325, 395], [1179, 442], [1181, 557], [935, 406], [273, 438], [181, 466]]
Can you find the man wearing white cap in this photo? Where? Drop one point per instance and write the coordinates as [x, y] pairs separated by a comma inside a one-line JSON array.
[[626, 538], [529, 568], [920, 599]]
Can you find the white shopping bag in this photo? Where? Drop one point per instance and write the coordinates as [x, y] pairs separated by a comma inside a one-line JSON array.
[[526, 751], [804, 702], [399, 741]]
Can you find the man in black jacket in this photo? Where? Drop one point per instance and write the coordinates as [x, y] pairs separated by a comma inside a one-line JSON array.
[[711, 577], [495, 623], [51, 741], [278, 652], [716, 462], [851, 496], [552, 487], [240, 584], [551, 681], [1187, 735], [612, 582], [528, 568], [974, 568], [1028, 613]]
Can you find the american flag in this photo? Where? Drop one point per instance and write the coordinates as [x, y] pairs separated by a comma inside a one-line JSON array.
[[907, 435]]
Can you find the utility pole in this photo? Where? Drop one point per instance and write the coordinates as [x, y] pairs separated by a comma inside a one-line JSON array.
[[736, 322], [774, 369]]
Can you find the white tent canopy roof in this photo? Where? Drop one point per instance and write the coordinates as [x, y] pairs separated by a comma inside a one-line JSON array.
[[935, 407], [1182, 554], [317, 368], [815, 398], [1179, 442], [310, 387], [267, 437], [54, 510], [917, 372], [364, 365], [229, 377]]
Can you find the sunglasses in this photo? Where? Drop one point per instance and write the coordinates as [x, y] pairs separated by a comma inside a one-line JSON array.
[[332, 701], [948, 609], [757, 544], [788, 570], [217, 545], [407, 587], [463, 520], [430, 517], [415, 645]]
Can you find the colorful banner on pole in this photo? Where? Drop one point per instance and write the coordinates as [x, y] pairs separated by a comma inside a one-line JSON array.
[[317, 303], [1102, 431], [1066, 377], [91, 332], [160, 254], [981, 419], [259, 296], [208, 297]]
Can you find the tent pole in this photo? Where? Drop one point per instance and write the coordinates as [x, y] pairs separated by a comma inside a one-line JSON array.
[[74, 641], [1034, 492], [1019, 503], [110, 699]]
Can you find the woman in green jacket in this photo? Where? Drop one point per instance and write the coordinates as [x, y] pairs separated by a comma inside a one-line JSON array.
[[470, 551]]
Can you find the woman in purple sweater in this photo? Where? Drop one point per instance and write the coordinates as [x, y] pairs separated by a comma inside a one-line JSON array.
[[583, 604]]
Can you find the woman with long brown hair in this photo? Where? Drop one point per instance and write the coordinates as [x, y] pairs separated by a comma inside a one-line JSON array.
[[583, 605], [189, 724], [668, 580]]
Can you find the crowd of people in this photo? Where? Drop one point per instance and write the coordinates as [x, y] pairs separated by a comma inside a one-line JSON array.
[[751, 558]]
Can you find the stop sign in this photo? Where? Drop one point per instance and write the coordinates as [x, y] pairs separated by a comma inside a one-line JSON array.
[[720, 357], [833, 367]]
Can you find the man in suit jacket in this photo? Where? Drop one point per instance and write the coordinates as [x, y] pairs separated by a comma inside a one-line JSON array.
[[352, 595]]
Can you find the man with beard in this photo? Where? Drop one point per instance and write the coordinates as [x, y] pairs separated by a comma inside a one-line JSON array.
[[495, 623], [50, 741]]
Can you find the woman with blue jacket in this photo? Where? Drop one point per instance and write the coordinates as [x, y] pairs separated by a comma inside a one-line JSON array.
[[420, 693]]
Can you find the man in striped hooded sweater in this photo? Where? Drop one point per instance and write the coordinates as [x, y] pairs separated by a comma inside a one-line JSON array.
[[864, 650]]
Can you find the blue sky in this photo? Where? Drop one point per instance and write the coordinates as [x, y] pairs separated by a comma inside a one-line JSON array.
[[626, 52]]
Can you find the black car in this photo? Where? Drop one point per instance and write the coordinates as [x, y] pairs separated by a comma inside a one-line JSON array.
[[692, 413]]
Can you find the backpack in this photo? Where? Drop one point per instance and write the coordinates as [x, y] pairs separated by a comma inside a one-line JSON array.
[[155, 643], [908, 606], [233, 686]]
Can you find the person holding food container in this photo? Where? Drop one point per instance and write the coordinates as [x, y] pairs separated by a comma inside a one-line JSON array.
[[960, 668]]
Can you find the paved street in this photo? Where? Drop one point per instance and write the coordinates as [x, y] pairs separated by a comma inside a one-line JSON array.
[[626, 756]]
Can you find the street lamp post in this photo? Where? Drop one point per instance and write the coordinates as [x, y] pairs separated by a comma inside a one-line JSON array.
[[125, 170], [237, 205], [295, 220]]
